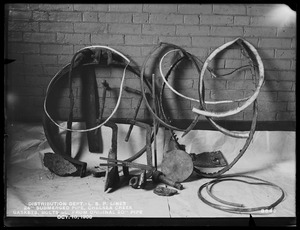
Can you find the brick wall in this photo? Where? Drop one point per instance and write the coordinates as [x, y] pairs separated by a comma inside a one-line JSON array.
[[42, 38]]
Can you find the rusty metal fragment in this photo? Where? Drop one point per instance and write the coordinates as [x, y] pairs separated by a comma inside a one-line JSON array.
[[51, 133], [209, 159], [99, 172], [59, 166], [159, 177], [164, 191]]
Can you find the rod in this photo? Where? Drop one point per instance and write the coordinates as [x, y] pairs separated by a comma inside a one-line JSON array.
[[70, 118], [101, 110], [154, 121], [128, 89], [128, 164]]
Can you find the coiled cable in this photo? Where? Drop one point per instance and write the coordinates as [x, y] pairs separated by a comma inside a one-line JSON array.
[[236, 207]]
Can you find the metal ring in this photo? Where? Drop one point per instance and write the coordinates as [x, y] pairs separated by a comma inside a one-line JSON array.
[[236, 134], [247, 102], [233, 207], [67, 66], [49, 125], [190, 57]]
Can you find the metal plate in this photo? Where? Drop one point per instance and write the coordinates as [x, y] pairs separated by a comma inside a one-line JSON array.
[[212, 159], [177, 165]]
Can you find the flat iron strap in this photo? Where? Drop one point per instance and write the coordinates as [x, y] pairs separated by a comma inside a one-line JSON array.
[[177, 165]]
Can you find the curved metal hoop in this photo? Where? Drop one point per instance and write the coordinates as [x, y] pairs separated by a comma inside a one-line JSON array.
[[204, 112], [181, 95], [236, 134], [58, 75], [241, 152], [50, 126], [164, 123]]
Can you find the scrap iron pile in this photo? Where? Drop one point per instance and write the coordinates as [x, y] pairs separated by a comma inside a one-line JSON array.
[[177, 165]]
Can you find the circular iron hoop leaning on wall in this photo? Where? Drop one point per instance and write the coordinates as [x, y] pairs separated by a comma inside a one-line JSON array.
[[236, 134], [239, 41], [207, 114], [249, 135], [119, 97], [242, 151], [249, 101], [51, 127], [164, 123]]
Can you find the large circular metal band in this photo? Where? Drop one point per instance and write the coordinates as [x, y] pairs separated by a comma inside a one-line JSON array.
[[167, 83], [202, 111], [190, 57], [196, 119], [49, 125], [67, 66], [183, 96], [235, 134]]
